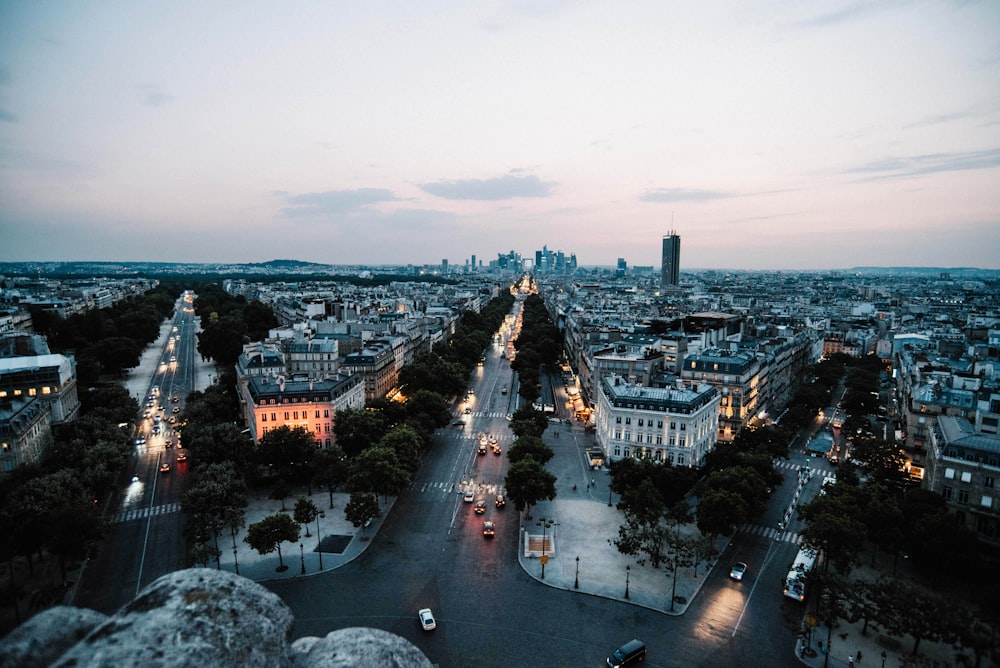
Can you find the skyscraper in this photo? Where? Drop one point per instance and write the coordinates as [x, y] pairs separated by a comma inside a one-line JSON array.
[[670, 272]]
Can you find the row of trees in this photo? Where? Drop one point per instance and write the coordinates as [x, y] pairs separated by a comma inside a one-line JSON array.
[[539, 346], [446, 369], [108, 341]]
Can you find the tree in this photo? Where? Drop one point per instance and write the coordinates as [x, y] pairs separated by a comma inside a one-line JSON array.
[[357, 429], [644, 534], [216, 500], [407, 445], [529, 446], [834, 526], [330, 469], [426, 411], [288, 452], [528, 483], [361, 507], [719, 511], [305, 512], [267, 535], [378, 470]]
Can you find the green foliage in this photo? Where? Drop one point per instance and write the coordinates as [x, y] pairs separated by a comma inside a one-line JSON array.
[[267, 535], [361, 507], [330, 469], [406, 443], [528, 483], [357, 429], [288, 453], [720, 511], [529, 446], [305, 512], [378, 470]]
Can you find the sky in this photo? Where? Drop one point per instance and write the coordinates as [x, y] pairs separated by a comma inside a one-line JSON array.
[[767, 134]]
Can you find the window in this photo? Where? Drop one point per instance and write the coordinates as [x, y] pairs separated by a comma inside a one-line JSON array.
[[659, 439], [641, 422], [682, 442], [673, 425], [988, 482], [683, 426], [949, 474], [317, 413], [628, 420], [618, 451], [947, 493], [326, 412], [966, 476], [274, 417], [286, 415], [659, 424], [263, 417], [680, 460], [618, 435], [986, 502], [618, 419], [963, 496], [649, 438], [628, 436], [627, 453]]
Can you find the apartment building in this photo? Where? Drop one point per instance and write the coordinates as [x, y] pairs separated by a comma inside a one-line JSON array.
[[272, 402], [737, 376], [677, 425]]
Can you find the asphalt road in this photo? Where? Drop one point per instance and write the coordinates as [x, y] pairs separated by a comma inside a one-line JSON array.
[[146, 537]]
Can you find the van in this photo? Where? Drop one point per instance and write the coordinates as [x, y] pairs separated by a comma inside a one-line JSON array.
[[629, 654]]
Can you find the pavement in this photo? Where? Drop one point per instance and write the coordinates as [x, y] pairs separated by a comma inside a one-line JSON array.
[[572, 535]]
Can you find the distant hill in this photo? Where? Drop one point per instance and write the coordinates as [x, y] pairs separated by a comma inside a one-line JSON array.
[[286, 264]]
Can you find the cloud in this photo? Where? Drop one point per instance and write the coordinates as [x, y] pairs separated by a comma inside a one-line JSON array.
[[932, 163], [509, 186], [7, 117], [333, 202], [154, 97], [847, 13], [683, 195]]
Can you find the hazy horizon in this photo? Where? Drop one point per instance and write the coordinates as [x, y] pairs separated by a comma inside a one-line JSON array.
[[769, 135]]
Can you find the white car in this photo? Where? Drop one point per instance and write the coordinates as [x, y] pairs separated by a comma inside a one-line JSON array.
[[738, 570], [469, 497], [427, 619]]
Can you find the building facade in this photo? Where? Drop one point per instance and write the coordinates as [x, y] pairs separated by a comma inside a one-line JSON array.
[[671, 266], [270, 403], [736, 375], [675, 425]]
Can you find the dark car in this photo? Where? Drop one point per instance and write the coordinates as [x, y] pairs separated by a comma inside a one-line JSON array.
[[488, 529], [500, 502], [480, 507]]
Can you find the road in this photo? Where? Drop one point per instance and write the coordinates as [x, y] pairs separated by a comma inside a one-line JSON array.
[[146, 536]]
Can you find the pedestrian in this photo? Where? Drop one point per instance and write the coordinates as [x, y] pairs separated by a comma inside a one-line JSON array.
[[820, 646], [858, 656], [850, 661]]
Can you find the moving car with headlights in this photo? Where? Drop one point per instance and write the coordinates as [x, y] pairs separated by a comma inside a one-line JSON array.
[[738, 570], [500, 501], [469, 497], [480, 507], [629, 654], [488, 529]]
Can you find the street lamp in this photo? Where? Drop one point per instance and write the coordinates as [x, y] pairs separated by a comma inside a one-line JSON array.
[[302, 555], [576, 582], [545, 525], [627, 569], [609, 495], [318, 541]]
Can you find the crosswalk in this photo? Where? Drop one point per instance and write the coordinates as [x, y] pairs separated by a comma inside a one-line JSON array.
[[447, 488], [143, 513], [484, 414], [778, 535]]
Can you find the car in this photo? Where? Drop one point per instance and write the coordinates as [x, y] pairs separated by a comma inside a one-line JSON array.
[[482, 448], [503, 390], [469, 497], [471, 391], [427, 622], [500, 501], [458, 423], [175, 410], [480, 507], [169, 442], [182, 457], [173, 358], [496, 449], [164, 468], [175, 399], [488, 529], [172, 419], [738, 570], [468, 411], [141, 440]]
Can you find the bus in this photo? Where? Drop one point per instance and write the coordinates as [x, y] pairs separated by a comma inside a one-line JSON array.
[[795, 581]]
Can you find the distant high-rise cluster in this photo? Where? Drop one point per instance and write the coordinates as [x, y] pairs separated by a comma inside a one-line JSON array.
[[671, 268], [554, 262]]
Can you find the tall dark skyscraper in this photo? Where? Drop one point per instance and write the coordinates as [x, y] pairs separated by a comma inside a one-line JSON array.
[[671, 269]]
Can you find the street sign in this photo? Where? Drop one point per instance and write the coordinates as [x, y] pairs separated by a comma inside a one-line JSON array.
[[544, 559]]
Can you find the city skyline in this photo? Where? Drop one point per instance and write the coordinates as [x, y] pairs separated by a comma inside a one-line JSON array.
[[768, 136]]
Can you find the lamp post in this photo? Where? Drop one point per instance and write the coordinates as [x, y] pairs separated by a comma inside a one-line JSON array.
[[576, 582], [302, 555], [609, 495], [318, 540], [545, 525], [627, 569]]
